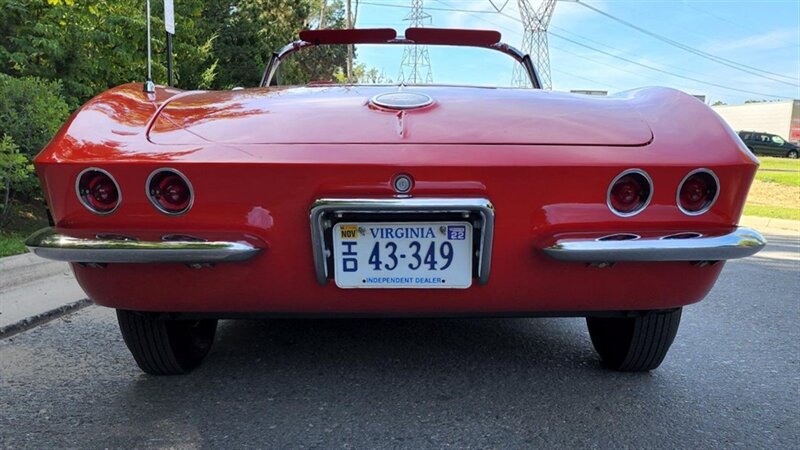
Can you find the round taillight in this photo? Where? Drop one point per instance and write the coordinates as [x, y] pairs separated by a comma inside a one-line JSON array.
[[629, 193], [169, 191], [98, 191], [697, 192]]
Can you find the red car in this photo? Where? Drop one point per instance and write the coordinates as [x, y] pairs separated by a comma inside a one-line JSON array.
[[179, 208]]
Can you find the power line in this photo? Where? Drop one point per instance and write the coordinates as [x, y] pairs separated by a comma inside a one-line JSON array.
[[515, 80], [584, 78], [515, 32], [736, 24], [499, 8], [468, 11], [563, 30], [601, 63], [646, 66], [473, 11], [718, 59], [708, 83], [388, 5], [477, 11]]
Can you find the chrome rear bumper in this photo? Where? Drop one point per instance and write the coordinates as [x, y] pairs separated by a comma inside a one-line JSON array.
[[50, 244], [739, 243]]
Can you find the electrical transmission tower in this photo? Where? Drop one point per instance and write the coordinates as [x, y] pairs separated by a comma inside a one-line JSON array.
[[534, 41], [416, 64]]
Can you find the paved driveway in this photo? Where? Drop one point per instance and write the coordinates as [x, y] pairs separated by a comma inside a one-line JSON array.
[[732, 379]]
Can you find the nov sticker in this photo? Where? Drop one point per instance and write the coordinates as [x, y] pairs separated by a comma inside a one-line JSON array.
[[456, 232], [349, 231]]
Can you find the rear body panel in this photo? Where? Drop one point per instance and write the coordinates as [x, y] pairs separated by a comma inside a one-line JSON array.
[[257, 185]]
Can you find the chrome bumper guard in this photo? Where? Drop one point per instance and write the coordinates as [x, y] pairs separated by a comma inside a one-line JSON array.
[[740, 243], [323, 208], [50, 244]]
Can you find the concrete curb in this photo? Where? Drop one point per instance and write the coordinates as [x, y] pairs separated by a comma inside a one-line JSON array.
[[34, 290], [766, 224], [25, 268], [42, 318]]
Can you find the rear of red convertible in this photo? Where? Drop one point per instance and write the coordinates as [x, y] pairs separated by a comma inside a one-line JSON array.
[[384, 201]]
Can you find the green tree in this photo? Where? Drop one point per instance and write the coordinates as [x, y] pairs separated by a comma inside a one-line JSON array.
[[14, 169], [363, 75], [31, 111], [92, 46], [88, 47], [249, 31]]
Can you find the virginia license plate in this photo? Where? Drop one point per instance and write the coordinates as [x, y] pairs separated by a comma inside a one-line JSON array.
[[429, 255]]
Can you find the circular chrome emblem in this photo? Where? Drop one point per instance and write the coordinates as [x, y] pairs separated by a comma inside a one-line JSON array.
[[402, 184], [402, 100]]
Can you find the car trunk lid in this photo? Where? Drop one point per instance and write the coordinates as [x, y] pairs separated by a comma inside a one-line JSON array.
[[347, 115]]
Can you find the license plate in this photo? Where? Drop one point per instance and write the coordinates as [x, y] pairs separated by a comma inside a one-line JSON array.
[[422, 255]]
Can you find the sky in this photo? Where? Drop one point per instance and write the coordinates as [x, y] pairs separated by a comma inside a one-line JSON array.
[[594, 52]]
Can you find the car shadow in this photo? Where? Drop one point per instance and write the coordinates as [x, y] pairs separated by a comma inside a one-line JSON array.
[[307, 376], [382, 346]]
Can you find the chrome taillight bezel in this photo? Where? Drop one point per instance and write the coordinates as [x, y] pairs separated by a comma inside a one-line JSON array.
[[83, 201], [154, 201], [710, 203], [646, 202]]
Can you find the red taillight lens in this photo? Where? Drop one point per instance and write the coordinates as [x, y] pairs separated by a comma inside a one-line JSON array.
[[629, 193], [697, 192], [98, 191], [170, 192], [174, 193]]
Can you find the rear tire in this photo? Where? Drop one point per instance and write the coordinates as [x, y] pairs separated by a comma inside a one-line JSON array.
[[634, 344], [793, 154], [166, 346]]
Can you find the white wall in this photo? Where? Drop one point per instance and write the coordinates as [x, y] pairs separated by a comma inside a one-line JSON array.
[[769, 117]]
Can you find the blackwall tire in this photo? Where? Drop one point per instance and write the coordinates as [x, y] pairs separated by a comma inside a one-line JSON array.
[[165, 346], [793, 154], [634, 344]]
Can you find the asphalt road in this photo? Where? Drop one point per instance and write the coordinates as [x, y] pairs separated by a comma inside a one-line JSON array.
[[732, 379]]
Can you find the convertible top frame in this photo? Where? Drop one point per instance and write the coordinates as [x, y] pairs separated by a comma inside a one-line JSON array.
[[419, 36]]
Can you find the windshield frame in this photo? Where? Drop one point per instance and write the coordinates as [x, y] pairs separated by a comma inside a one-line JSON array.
[[279, 56]]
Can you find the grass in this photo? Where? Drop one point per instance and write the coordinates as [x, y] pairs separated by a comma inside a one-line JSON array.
[[783, 178], [12, 243], [25, 219], [776, 190], [773, 163], [773, 212], [783, 171]]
